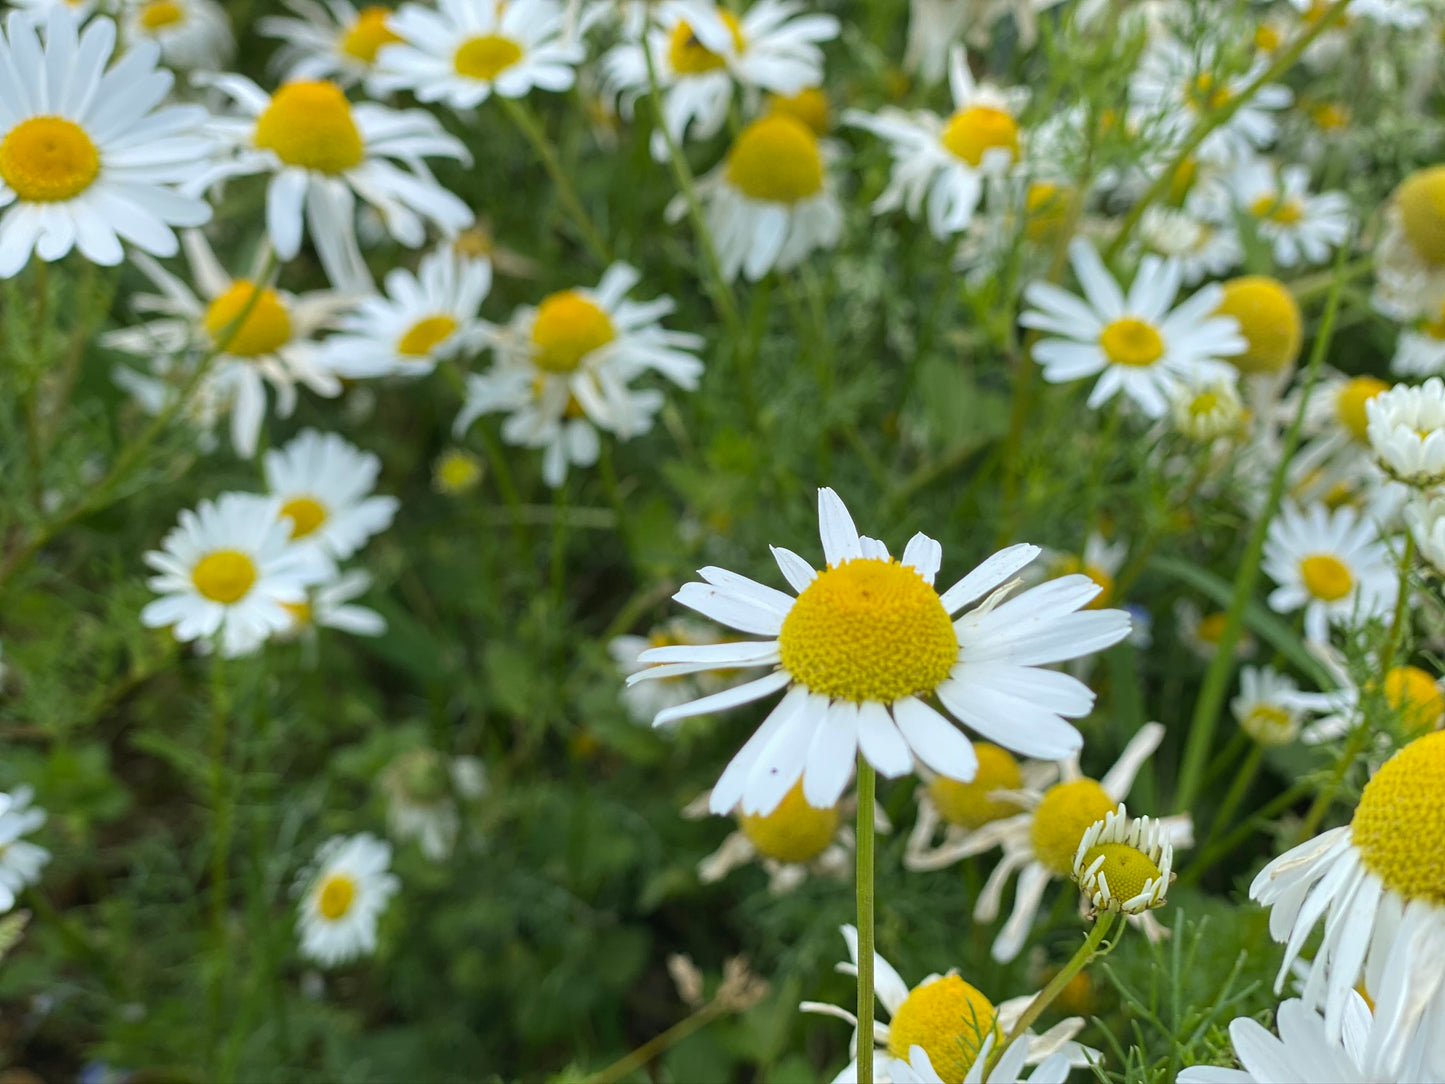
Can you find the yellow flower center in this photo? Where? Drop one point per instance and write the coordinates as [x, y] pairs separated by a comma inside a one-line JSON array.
[[336, 896], [1400, 821], [1065, 814], [868, 629], [1331, 116], [159, 14], [1126, 868], [426, 335], [300, 613], [688, 56], [306, 514], [1211, 627], [793, 832], [267, 326], [776, 160], [1326, 577], [1128, 341], [568, 327], [457, 471], [1046, 210], [1069, 565], [969, 804], [1414, 694], [1269, 319], [1268, 724], [1421, 202], [1204, 403], [48, 160], [1266, 38], [974, 131], [950, 1020], [809, 106], [1207, 93], [486, 56], [1350, 405], [224, 576], [310, 125], [368, 34]]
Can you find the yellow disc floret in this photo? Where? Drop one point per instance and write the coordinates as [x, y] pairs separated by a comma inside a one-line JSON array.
[[1285, 210], [1269, 319], [974, 131], [267, 326], [1130, 341], [968, 804], [809, 105], [1269, 724], [1126, 869], [368, 34], [159, 14], [1067, 811], [1400, 821], [224, 576], [48, 160], [794, 831], [569, 326], [1420, 200], [688, 56], [310, 125], [868, 629], [1350, 404], [1415, 695], [426, 335], [1046, 210], [306, 515], [776, 160], [950, 1020], [336, 896], [486, 56], [1326, 577]]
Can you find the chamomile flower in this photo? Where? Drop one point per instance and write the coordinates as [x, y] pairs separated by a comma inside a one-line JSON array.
[[1379, 884], [1124, 864], [1403, 704], [20, 860], [324, 485], [345, 897], [918, 1069], [193, 35], [1202, 248], [331, 605], [1300, 226], [1420, 350], [1401, 14], [464, 51], [1407, 432], [230, 568], [422, 788], [457, 471], [1137, 343], [1410, 255], [1208, 410], [1201, 631], [1426, 518], [1329, 563], [333, 39], [950, 1020], [867, 642], [321, 152], [645, 699], [1267, 707], [947, 161], [421, 319], [92, 162], [1269, 319]]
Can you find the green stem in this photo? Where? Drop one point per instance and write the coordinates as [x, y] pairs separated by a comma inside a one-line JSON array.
[[220, 844], [1211, 855], [1242, 780], [31, 397], [657, 1044], [1399, 623], [531, 127], [867, 782]]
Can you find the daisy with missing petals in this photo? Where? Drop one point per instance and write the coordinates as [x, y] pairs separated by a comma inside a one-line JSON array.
[[86, 160], [952, 1022], [346, 896], [948, 162], [330, 40], [1407, 432], [1379, 884], [421, 319], [193, 35], [20, 860], [1124, 865], [465, 51], [867, 643], [231, 568], [1138, 344], [321, 152], [1300, 227], [1267, 707], [324, 485], [1331, 564]]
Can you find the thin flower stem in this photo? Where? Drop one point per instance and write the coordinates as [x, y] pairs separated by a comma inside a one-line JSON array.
[[1353, 748], [1243, 831], [1399, 623], [38, 364], [220, 842], [658, 1044], [866, 787], [531, 127], [1237, 789]]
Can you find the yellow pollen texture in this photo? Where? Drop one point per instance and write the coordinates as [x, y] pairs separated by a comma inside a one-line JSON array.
[[1132, 342], [795, 831], [968, 804], [1350, 404], [1269, 319], [159, 14], [978, 129], [949, 1019], [224, 576], [48, 160], [568, 327], [1400, 821], [776, 160], [306, 513], [310, 125], [486, 57], [426, 335], [868, 629], [368, 34], [336, 896], [1326, 577], [1420, 200], [688, 56], [1062, 818], [1414, 694], [1127, 869], [267, 326]]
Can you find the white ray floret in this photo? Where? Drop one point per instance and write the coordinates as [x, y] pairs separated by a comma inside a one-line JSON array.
[[348, 892]]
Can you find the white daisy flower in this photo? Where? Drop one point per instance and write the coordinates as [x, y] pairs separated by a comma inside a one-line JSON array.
[[20, 860], [645, 699], [193, 35], [1420, 351], [86, 160], [1407, 432], [324, 486], [1125, 864], [863, 646], [1337, 423], [1138, 344], [322, 152], [1202, 248], [346, 896], [1301, 227], [230, 568], [1378, 882], [1410, 254], [947, 161], [1101, 561], [329, 40], [700, 51], [1208, 410], [330, 605], [1267, 707], [952, 1022], [1331, 564], [1426, 519], [918, 1069], [465, 51], [421, 319], [274, 345], [422, 789]]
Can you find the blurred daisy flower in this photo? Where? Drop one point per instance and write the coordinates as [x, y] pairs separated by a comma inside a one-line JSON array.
[[331, 604], [1426, 519], [645, 699], [1300, 226], [345, 897], [329, 40], [867, 642], [324, 485], [1201, 247], [193, 35], [1267, 707], [1208, 410], [1420, 350], [93, 162], [1406, 429], [20, 860], [456, 471], [1405, 703], [1200, 631], [1410, 254], [422, 788]]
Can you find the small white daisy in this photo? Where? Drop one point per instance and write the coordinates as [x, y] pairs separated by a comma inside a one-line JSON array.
[[324, 486], [867, 642], [193, 35], [1407, 432], [345, 898], [20, 860], [1201, 631], [1138, 344], [230, 568], [1267, 707], [645, 699], [1208, 410], [1420, 350], [422, 789], [1301, 227], [330, 40], [331, 605], [1203, 249], [92, 162]]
